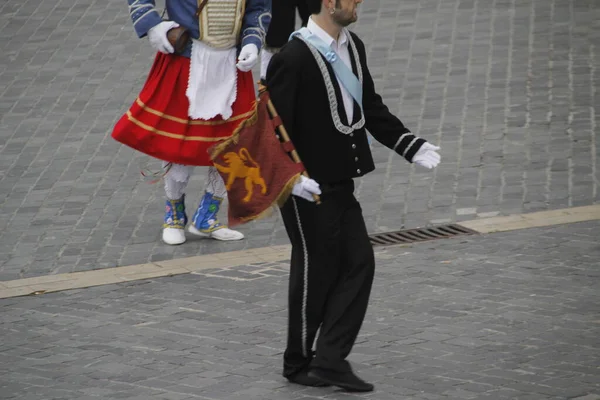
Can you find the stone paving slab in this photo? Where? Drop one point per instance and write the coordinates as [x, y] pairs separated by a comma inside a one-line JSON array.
[[534, 220], [104, 276], [511, 315], [507, 88]]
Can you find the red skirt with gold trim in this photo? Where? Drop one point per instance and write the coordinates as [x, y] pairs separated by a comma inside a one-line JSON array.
[[157, 123]]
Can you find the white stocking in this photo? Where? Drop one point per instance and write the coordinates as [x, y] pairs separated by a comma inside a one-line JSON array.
[[215, 184], [177, 180]]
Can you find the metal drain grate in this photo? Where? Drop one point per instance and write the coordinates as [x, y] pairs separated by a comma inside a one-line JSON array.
[[420, 235]]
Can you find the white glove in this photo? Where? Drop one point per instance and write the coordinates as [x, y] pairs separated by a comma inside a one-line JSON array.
[[305, 188], [248, 57], [426, 156], [158, 36], [265, 59]]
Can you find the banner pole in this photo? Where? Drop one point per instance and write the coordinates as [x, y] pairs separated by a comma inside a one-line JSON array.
[[284, 134]]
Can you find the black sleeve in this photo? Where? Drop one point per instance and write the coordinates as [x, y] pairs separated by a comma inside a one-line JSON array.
[[283, 23], [283, 79], [380, 122]]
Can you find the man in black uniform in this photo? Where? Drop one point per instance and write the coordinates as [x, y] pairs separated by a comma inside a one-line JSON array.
[[332, 263], [283, 23]]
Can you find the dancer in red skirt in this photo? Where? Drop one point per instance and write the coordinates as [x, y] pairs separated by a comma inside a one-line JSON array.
[[199, 90]]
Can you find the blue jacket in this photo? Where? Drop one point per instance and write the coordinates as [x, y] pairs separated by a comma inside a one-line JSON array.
[[254, 27]]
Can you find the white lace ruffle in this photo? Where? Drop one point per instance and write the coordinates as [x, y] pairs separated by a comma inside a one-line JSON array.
[[212, 86]]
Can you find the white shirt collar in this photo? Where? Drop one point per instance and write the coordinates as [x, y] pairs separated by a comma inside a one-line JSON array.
[[324, 36]]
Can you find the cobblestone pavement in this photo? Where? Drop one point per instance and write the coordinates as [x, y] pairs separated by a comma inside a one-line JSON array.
[[504, 316], [507, 88]]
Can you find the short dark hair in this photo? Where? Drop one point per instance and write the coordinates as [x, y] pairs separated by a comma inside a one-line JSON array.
[[314, 6]]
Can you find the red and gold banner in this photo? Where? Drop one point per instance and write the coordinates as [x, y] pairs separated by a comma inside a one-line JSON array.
[[256, 167]]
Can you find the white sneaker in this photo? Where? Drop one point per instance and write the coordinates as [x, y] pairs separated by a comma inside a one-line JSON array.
[[224, 234], [173, 236]]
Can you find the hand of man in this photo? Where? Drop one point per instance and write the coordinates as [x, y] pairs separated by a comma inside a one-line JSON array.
[[305, 188], [158, 37], [427, 156], [248, 57]]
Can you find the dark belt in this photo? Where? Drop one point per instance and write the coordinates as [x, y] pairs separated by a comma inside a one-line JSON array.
[[332, 187]]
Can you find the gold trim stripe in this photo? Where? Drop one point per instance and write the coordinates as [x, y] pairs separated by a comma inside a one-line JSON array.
[[191, 121], [220, 38], [174, 135]]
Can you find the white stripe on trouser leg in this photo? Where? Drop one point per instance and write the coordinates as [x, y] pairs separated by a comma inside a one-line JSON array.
[[305, 286]]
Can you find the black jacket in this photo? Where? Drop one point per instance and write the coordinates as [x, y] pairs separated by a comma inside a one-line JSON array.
[[299, 94]]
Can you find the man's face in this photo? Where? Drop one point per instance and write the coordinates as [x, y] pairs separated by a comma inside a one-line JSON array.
[[346, 11]]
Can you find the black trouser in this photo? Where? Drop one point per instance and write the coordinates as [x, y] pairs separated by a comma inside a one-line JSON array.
[[283, 21], [331, 275]]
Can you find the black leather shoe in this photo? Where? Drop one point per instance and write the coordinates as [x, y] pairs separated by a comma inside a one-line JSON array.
[[345, 380], [302, 378]]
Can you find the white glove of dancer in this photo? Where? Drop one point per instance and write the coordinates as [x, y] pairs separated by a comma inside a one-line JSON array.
[[158, 37], [248, 57], [427, 156], [265, 59], [305, 188]]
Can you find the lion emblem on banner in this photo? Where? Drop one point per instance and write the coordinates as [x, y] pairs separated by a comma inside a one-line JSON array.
[[241, 165]]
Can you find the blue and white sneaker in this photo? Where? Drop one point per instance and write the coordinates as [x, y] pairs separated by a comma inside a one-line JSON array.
[[205, 222], [175, 222]]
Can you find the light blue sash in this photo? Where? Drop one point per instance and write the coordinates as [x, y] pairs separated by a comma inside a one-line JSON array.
[[343, 73]]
